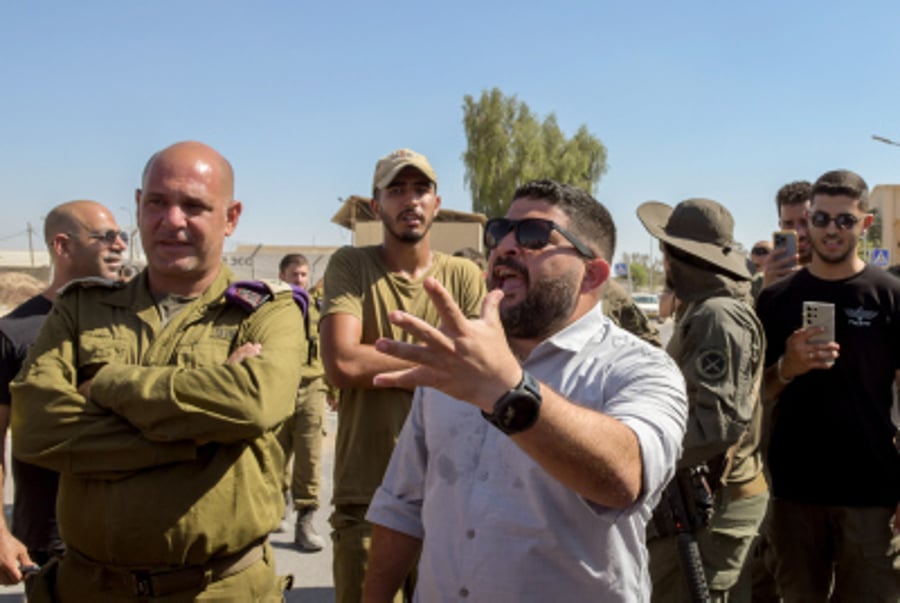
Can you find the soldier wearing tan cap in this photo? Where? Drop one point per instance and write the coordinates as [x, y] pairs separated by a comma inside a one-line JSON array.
[[362, 287]]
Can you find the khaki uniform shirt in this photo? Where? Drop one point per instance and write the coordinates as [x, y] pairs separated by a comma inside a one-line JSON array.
[[358, 283], [718, 342], [173, 460]]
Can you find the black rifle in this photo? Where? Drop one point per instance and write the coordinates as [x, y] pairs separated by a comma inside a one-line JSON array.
[[686, 505]]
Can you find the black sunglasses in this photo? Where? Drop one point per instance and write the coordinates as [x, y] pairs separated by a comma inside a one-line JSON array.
[[820, 219], [531, 233], [107, 236], [759, 251]]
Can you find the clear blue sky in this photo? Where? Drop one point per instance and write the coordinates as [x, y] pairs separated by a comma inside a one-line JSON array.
[[718, 99]]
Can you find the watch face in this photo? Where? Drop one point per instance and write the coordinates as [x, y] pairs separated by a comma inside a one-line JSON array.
[[519, 412], [518, 409]]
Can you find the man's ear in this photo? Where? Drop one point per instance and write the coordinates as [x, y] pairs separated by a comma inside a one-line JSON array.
[[232, 214], [596, 272], [62, 245]]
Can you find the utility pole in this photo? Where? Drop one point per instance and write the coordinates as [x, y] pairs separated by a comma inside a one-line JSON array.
[[30, 244]]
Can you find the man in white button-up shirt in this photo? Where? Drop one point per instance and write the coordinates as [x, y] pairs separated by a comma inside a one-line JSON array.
[[543, 435]]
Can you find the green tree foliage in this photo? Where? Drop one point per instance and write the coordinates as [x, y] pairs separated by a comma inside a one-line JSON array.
[[646, 271], [508, 146], [640, 275]]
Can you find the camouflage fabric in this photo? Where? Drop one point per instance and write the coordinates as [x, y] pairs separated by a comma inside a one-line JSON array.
[[621, 309]]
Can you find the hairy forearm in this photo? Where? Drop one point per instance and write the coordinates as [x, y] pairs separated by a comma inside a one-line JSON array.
[[391, 558], [595, 455], [356, 366]]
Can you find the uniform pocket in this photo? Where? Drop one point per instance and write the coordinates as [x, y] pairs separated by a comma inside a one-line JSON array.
[[209, 352], [99, 347]]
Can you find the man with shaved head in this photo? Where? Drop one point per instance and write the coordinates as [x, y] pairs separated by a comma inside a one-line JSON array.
[[83, 240], [162, 399]]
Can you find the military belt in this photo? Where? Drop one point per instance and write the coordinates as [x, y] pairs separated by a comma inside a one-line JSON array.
[[166, 581]]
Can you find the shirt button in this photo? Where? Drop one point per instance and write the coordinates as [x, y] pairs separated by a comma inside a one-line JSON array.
[[470, 534], [484, 476], [464, 592]]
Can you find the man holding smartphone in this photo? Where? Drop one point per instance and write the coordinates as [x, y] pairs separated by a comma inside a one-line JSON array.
[[834, 468], [792, 202]]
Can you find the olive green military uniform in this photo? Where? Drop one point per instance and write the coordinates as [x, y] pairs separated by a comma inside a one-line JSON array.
[[618, 305], [369, 420], [170, 474], [719, 345], [301, 435]]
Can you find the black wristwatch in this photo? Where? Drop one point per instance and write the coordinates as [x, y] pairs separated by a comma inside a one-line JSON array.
[[517, 409]]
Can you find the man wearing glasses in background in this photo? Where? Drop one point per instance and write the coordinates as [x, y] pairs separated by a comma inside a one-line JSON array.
[[542, 434], [758, 256], [834, 466], [83, 240]]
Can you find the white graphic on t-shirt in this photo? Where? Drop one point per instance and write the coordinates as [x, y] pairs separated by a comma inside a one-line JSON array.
[[860, 317]]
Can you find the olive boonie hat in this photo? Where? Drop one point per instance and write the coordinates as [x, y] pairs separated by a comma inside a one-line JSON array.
[[700, 227], [389, 166]]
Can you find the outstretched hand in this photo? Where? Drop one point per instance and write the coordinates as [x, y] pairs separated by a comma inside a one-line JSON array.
[[467, 359]]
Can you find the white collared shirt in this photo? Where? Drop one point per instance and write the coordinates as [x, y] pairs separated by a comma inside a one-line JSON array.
[[495, 525]]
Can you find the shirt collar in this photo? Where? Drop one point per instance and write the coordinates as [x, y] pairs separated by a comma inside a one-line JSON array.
[[573, 337]]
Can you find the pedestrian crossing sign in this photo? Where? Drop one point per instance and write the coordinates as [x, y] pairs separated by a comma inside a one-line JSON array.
[[880, 257]]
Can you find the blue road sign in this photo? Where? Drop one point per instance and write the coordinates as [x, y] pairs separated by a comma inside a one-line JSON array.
[[880, 257], [620, 268]]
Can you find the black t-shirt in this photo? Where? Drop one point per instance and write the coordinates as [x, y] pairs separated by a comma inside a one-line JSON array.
[[34, 505], [18, 330], [831, 432]]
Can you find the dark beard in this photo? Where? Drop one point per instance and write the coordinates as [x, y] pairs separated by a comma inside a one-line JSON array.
[[405, 236], [547, 304]]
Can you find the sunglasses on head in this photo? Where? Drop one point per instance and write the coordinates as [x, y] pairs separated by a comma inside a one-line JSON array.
[[109, 236], [820, 219], [760, 251], [530, 233]]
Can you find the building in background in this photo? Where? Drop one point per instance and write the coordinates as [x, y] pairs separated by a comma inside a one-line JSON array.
[[451, 230], [886, 197]]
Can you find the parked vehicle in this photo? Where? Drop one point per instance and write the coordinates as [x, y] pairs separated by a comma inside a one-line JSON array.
[[648, 304]]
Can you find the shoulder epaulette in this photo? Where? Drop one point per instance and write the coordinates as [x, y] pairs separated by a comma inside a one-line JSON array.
[[89, 282], [250, 295]]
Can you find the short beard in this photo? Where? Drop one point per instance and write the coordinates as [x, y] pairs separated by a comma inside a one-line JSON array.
[[406, 236], [547, 305], [409, 237], [851, 250]]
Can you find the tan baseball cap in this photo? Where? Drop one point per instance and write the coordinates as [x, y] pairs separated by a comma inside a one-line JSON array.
[[390, 165]]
